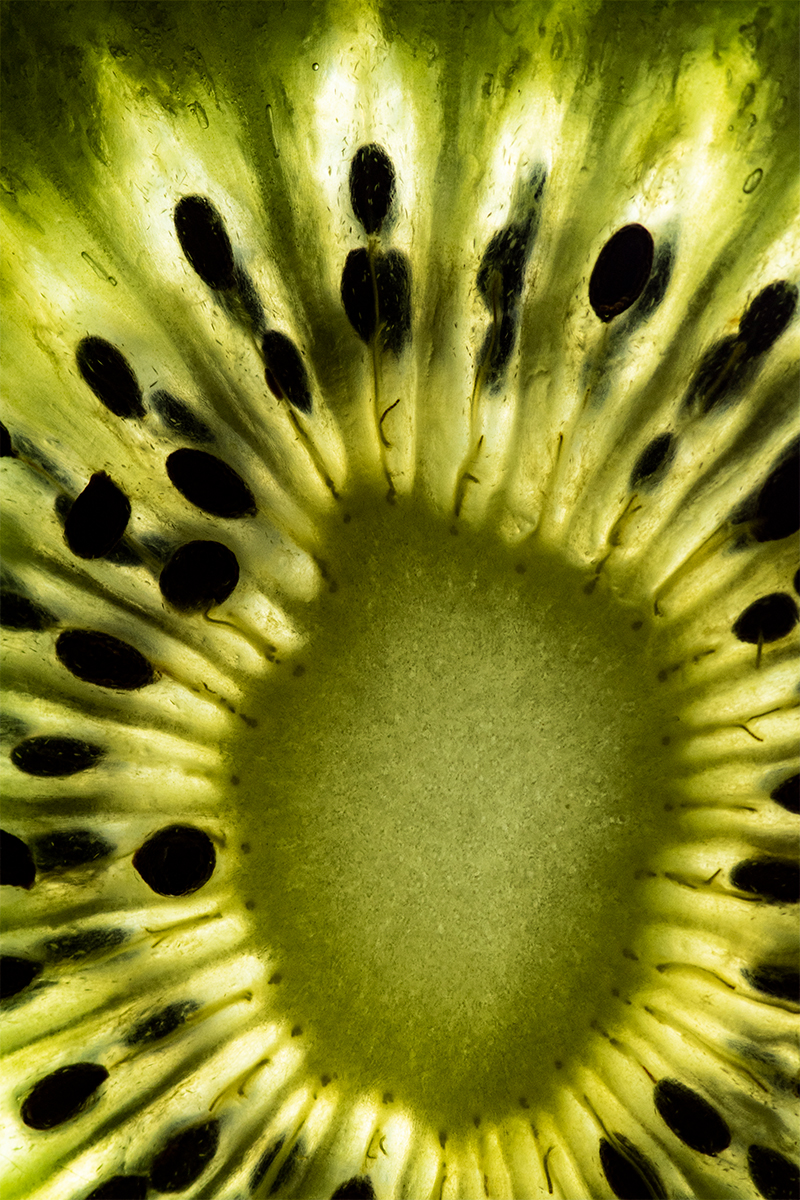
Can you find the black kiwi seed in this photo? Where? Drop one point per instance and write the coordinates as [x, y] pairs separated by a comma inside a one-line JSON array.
[[358, 293], [49, 757], [110, 376], [104, 660], [121, 1187], [775, 1177], [65, 849], [497, 345], [184, 1157], [767, 620], [61, 1095], [176, 861], [210, 484], [16, 974], [502, 269], [628, 1173], [162, 1024], [355, 1189], [775, 879], [16, 861], [782, 983], [204, 241], [778, 505], [653, 459], [767, 316], [787, 794], [372, 186], [285, 370], [98, 518], [393, 286], [198, 575], [691, 1118], [6, 445], [622, 269], [20, 612], [178, 416], [265, 1162]]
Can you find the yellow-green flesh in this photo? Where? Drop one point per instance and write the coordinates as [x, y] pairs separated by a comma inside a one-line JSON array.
[[446, 807]]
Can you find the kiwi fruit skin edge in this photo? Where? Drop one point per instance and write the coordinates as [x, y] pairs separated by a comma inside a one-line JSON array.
[[399, 600]]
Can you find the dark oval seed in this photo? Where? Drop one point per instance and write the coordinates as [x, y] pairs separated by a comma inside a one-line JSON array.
[[502, 269], [778, 506], [16, 861], [62, 1095], [265, 1162], [629, 1175], [787, 794], [621, 271], [110, 376], [184, 1157], [285, 370], [104, 660], [19, 612], [176, 861], [782, 983], [204, 241], [775, 879], [210, 484], [69, 848], [98, 518], [6, 447], [372, 186], [767, 620], [154, 1028], [767, 316], [179, 417], [121, 1187], [394, 298], [358, 294], [497, 345], [655, 455], [49, 757], [16, 974], [198, 575], [775, 1177], [691, 1118], [355, 1189], [393, 288]]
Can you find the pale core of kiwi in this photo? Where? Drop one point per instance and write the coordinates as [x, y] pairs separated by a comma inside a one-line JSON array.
[[449, 803]]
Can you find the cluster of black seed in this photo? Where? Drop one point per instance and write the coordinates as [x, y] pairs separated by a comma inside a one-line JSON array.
[[501, 275], [179, 859], [699, 1126], [376, 283], [719, 380]]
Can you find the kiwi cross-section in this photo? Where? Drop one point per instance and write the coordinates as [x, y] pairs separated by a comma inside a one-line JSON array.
[[399, 600]]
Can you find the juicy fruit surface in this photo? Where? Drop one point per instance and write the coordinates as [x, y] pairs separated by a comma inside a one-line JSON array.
[[422, 361], [444, 804]]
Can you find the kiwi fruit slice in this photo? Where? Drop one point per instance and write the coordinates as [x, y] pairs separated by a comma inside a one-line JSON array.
[[399, 600]]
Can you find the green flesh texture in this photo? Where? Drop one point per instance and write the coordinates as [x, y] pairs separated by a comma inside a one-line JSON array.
[[472, 738]]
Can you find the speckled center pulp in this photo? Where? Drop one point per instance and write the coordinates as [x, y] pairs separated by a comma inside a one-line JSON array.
[[451, 794]]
